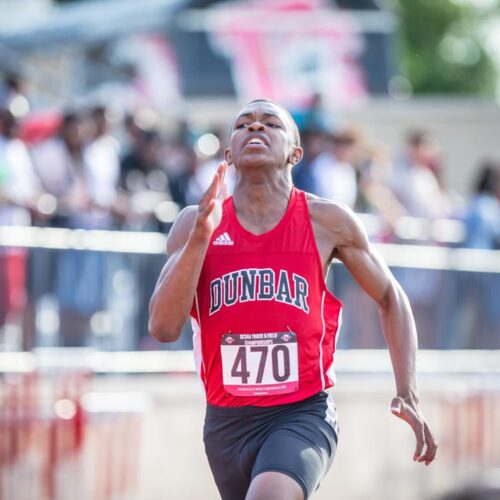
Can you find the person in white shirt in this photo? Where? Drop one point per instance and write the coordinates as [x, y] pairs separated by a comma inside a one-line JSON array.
[[334, 176], [102, 159], [19, 184], [19, 193], [85, 187]]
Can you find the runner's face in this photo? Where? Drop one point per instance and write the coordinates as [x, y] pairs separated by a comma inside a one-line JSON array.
[[262, 134]]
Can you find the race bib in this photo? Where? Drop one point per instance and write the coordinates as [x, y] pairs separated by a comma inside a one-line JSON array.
[[260, 364]]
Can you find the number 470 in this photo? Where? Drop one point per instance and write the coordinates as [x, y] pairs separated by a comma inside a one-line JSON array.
[[280, 362]]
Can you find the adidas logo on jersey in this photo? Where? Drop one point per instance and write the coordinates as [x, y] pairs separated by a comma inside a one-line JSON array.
[[223, 239]]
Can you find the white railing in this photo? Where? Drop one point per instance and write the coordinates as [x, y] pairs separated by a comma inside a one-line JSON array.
[[348, 361], [396, 255]]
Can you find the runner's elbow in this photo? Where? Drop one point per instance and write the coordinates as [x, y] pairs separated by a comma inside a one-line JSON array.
[[164, 331], [392, 296], [394, 299], [162, 326]]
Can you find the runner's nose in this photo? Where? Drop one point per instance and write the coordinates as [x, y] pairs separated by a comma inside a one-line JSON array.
[[256, 125]]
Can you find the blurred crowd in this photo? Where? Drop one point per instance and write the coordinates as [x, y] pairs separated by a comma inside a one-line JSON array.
[[90, 168]]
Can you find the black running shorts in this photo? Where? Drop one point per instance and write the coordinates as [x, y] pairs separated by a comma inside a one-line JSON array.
[[298, 439]]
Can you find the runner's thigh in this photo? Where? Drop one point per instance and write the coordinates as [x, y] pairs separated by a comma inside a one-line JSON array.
[[305, 458]]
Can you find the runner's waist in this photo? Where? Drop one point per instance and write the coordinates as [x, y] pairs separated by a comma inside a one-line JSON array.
[[257, 410]]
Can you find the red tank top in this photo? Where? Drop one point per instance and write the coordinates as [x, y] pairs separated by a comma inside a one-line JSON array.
[[265, 324]]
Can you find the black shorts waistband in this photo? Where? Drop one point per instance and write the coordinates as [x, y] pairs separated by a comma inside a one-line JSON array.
[[257, 410]]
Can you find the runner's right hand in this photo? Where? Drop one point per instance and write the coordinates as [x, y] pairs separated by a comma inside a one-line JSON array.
[[210, 207]]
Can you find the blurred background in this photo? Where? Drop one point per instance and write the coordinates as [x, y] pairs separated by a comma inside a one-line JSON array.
[[114, 115]]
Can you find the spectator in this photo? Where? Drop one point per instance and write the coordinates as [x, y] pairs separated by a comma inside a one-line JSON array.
[[417, 189], [313, 116], [482, 217], [205, 166], [82, 177], [374, 196], [180, 181], [313, 140], [332, 170], [12, 96], [101, 156], [81, 277], [414, 182], [19, 185], [144, 180], [60, 165], [480, 292], [180, 162], [19, 191]]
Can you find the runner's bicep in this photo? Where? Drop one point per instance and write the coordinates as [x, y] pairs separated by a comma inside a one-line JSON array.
[[176, 239], [179, 233], [365, 263]]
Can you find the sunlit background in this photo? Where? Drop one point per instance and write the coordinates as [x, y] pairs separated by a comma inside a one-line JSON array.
[[114, 115]]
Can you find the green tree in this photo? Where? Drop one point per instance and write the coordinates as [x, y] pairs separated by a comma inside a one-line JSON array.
[[443, 48]]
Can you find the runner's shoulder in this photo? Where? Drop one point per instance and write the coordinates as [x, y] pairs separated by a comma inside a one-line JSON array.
[[328, 212], [336, 218]]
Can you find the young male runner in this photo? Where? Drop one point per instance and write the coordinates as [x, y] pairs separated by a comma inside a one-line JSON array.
[[250, 270]]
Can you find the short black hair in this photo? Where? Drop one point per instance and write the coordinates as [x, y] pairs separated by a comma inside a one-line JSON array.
[[8, 123], [488, 177], [295, 129], [97, 111], [417, 138], [70, 117]]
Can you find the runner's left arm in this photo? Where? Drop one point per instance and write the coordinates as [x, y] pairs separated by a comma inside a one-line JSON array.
[[370, 271]]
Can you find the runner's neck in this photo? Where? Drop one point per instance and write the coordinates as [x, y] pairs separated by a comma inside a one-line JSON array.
[[260, 206]]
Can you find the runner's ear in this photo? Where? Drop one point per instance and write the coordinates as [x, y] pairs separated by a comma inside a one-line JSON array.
[[295, 155], [228, 156]]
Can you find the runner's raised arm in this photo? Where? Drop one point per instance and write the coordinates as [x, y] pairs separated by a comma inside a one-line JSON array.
[[187, 244]]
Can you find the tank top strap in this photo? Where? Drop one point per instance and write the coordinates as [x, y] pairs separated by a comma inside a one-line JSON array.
[[301, 203]]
